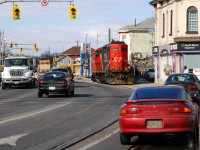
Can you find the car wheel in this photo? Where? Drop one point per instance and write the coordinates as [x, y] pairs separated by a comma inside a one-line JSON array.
[[72, 92], [3, 85], [125, 139], [67, 93], [29, 85], [192, 140], [40, 94]]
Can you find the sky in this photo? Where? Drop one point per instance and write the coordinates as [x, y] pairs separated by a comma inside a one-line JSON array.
[[52, 30]]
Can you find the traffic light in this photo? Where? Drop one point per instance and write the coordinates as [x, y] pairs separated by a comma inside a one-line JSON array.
[[54, 60], [73, 12], [16, 13], [11, 45], [21, 49], [35, 47]]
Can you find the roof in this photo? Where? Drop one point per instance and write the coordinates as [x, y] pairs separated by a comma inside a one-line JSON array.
[[75, 50], [160, 87], [153, 2], [146, 25]]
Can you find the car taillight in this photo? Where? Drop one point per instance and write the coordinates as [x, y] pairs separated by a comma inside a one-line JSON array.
[[40, 81], [184, 109], [64, 82], [125, 111], [191, 86]]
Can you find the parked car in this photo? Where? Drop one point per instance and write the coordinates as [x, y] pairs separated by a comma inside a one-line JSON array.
[[68, 70], [168, 111], [188, 80], [55, 82], [149, 74]]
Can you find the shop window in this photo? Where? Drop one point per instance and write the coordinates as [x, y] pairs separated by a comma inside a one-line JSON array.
[[192, 20]]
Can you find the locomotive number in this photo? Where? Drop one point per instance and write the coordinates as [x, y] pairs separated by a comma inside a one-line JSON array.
[[117, 59]]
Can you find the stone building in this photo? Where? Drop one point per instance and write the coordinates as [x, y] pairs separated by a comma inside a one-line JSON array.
[[177, 37]]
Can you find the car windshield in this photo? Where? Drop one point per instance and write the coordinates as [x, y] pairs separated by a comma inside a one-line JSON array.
[[54, 75], [16, 62], [159, 93], [60, 69], [180, 78], [151, 70]]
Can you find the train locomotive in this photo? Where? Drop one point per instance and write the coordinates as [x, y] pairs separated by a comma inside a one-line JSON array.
[[109, 64]]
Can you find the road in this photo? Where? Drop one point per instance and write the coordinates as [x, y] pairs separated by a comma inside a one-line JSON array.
[[29, 123]]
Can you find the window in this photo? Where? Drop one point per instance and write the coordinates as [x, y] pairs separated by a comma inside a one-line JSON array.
[[69, 61], [163, 26], [192, 20], [171, 22]]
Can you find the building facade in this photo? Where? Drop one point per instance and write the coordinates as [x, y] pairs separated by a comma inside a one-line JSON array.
[[70, 58], [177, 37], [138, 37]]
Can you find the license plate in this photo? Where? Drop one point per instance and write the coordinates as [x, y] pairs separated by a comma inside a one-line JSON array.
[[154, 124], [52, 88], [16, 82]]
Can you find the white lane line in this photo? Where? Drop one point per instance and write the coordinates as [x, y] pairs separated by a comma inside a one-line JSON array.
[[39, 112], [98, 141], [11, 140]]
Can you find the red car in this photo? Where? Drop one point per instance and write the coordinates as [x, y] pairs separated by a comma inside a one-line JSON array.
[[159, 110]]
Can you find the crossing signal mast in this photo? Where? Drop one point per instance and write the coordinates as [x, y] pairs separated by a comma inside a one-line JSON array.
[[16, 13], [73, 12]]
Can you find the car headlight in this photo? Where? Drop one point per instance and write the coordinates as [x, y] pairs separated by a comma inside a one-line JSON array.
[[5, 75], [28, 74]]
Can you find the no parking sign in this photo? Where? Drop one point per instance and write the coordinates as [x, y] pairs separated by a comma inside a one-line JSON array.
[[44, 2]]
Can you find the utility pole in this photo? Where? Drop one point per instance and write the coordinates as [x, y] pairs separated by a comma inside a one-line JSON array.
[[109, 35], [86, 55]]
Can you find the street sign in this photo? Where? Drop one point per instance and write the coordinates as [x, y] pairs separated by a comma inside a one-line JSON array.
[[44, 2]]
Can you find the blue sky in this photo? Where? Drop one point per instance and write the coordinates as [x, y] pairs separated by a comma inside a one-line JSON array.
[[51, 28]]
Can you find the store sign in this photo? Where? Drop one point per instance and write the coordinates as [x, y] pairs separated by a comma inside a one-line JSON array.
[[174, 47], [188, 46], [155, 50], [165, 48]]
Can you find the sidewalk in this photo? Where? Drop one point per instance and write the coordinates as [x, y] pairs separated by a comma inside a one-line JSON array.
[[140, 83]]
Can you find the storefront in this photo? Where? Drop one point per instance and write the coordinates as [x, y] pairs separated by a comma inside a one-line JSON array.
[[171, 58]]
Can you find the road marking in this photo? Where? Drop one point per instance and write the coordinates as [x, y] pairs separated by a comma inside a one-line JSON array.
[[39, 112], [11, 140], [100, 140]]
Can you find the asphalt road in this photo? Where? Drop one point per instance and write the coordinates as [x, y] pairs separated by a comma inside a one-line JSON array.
[[31, 123]]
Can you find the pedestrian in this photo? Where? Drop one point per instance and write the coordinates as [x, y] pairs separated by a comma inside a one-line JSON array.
[[185, 69]]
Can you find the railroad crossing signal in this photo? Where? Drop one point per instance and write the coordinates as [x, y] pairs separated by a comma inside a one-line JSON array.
[[21, 49], [16, 13], [73, 12]]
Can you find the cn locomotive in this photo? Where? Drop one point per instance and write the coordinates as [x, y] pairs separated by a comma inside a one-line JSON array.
[[109, 64]]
